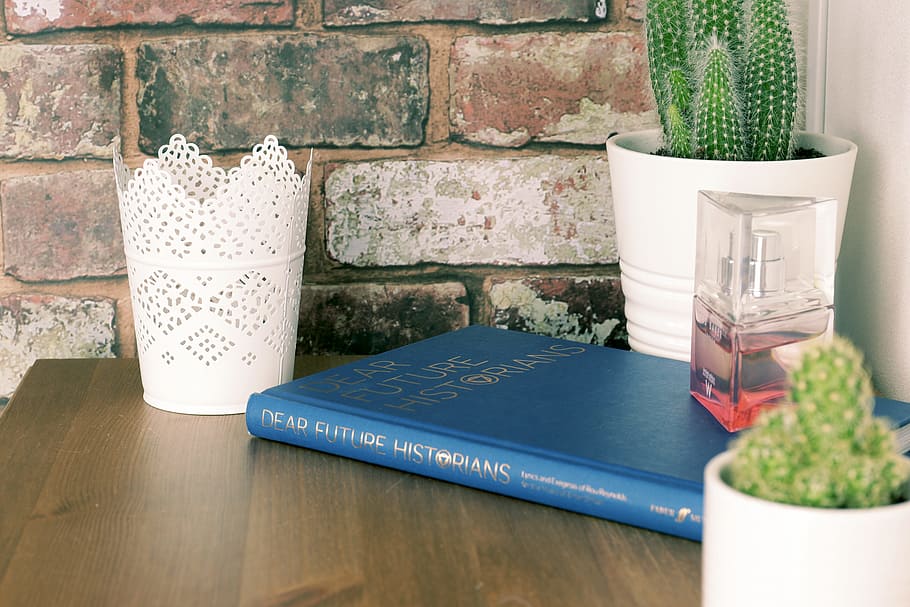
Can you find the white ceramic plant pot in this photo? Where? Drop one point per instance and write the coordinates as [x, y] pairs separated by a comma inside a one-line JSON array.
[[757, 552], [655, 204]]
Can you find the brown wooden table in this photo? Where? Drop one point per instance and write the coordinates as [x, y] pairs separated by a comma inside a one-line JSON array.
[[105, 500]]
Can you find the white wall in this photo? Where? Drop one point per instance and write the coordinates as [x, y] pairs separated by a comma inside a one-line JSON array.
[[867, 100]]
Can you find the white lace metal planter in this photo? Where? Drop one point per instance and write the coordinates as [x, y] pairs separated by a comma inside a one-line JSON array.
[[215, 262]]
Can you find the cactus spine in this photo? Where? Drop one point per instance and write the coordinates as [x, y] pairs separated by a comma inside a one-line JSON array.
[[828, 450], [723, 74]]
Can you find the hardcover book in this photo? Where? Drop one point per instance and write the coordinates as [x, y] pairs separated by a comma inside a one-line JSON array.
[[595, 430]]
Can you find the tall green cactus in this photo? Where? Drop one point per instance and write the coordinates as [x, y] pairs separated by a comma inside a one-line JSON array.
[[828, 450], [723, 74], [671, 71], [718, 116], [770, 82], [720, 19]]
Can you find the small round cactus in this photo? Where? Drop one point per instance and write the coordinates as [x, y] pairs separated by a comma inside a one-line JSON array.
[[827, 450]]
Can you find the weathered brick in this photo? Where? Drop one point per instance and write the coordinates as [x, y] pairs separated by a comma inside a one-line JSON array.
[[58, 101], [32, 16], [635, 9], [36, 326], [229, 92], [549, 87], [61, 226], [497, 12], [373, 318], [533, 210], [586, 308]]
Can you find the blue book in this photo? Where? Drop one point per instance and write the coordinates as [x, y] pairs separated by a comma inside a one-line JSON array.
[[595, 430]]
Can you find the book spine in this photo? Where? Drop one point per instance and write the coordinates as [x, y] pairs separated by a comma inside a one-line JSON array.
[[621, 495]]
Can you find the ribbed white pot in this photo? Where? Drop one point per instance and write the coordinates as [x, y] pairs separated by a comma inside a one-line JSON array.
[[655, 204], [760, 553]]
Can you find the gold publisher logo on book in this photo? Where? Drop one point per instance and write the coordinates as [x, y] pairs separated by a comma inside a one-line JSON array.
[[679, 515]]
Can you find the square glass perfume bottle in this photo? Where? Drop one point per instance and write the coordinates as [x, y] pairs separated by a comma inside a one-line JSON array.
[[764, 289]]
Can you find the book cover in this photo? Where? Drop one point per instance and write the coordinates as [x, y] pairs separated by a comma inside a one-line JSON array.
[[595, 430]]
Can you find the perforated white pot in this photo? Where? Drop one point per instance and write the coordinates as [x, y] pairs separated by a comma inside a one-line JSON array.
[[215, 262]]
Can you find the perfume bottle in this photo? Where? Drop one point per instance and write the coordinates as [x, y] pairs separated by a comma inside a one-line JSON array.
[[764, 287]]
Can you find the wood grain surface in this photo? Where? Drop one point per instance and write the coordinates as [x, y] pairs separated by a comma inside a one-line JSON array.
[[105, 500]]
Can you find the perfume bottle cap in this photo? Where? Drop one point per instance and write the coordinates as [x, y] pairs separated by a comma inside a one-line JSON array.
[[757, 256], [766, 266]]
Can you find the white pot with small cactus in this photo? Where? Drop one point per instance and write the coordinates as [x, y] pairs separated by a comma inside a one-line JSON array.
[[723, 73], [811, 506]]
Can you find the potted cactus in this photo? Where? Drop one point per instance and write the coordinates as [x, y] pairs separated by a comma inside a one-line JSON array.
[[810, 505], [725, 84]]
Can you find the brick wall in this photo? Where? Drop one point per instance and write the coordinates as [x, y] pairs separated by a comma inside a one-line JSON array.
[[477, 125]]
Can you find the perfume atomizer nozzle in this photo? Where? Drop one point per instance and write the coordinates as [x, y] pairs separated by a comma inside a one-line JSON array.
[[766, 264]]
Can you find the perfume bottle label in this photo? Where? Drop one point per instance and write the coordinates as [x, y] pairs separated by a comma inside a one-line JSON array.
[[709, 381], [716, 330]]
